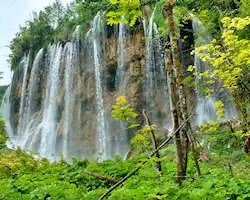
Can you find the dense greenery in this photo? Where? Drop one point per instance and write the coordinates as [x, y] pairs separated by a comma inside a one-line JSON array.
[[227, 176]]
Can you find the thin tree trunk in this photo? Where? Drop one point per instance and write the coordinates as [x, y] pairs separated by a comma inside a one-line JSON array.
[[168, 9], [174, 111], [184, 113], [157, 155]]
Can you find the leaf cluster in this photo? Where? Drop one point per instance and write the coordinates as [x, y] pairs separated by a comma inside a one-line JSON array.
[[125, 11]]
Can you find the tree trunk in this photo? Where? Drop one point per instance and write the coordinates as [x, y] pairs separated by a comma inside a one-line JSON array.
[[246, 141], [172, 85], [183, 114], [157, 155]]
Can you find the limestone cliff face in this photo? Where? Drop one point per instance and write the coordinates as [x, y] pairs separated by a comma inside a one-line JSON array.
[[135, 69]]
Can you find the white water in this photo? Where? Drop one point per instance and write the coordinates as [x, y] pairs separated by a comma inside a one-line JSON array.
[[68, 97], [121, 53], [155, 86], [150, 68], [96, 34], [205, 108], [33, 86], [30, 120], [121, 139], [24, 65], [49, 123], [5, 111]]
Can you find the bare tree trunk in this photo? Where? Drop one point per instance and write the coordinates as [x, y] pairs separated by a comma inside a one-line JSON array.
[[172, 85], [183, 113], [157, 154]]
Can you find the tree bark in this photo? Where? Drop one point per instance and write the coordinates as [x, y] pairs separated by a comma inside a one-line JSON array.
[[182, 107], [172, 85], [157, 154]]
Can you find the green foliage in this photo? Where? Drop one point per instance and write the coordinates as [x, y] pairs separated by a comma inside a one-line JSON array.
[[211, 126], [122, 111], [220, 109], [230, 56], [35, 35], [125, 11]]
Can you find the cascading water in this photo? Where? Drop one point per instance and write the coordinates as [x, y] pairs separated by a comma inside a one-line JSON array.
[[24, 65], [150, 68], [121, 139], [67, 101], [121, 71], [97, 29], [68, 97], [33, 87], [30, 116], [6, 114], [205, 108], [155, 86], [49, 117]]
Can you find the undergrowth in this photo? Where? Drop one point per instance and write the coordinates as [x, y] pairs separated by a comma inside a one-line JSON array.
[[226, 177]]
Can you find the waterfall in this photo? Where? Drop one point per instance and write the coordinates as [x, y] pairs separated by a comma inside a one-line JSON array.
[[205, 108], [5, 111], [155, 86], [69, 99], [33, 86], [49, 121], [30, 116], [97, 29], [121, 139], [150, 68], [121, 71], [65, 98], [24, 65]]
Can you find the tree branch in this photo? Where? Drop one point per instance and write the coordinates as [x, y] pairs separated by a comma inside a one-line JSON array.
[[137, 169]]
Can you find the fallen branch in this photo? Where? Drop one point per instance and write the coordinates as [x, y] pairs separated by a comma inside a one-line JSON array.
[[101, 177], [151, 155]]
